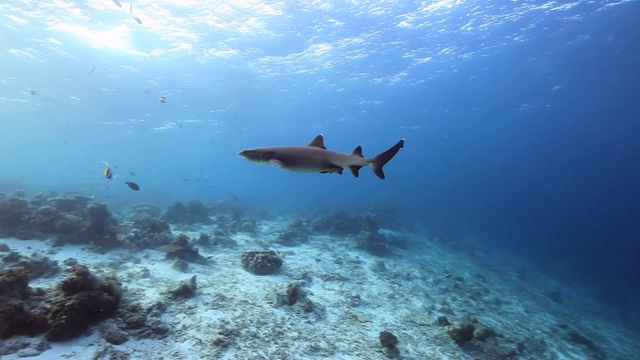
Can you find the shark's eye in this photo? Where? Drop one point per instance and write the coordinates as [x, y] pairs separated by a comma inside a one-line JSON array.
[[268, 155]]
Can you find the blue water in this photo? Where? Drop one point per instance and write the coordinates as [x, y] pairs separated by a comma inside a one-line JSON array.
[[521, 118]]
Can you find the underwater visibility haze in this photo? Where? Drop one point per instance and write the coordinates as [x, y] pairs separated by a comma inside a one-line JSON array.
[[521, 119]]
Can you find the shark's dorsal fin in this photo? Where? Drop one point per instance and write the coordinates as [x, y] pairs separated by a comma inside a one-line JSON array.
[[357, 152], [318, 142]]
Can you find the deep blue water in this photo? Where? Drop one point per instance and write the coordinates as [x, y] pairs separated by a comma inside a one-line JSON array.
[[521, 119]]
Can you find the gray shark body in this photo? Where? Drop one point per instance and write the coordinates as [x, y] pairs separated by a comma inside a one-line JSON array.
[[316, 158]]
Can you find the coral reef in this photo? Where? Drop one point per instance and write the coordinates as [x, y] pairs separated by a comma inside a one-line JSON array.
[[148, 233], [37, 265], [85, 300], [483, 333], [185, 289], [132, 320], [14, 283], [204, 239], [222, 238], [442, 321], [15, 319], [74, 204], [50, 220], [180, 248], [15, 218], [390, 342], [261, 262], [112, 334], [195, 212], [387, 339], [295, 234], [141, 211], [374, 243], [340, 223], [293, 295], [98, 228], [248, 226], [181, 265], [70, 218], [462, 333], [362, 231]]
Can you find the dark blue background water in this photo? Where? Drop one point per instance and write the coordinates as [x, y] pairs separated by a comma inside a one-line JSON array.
[[521, 119]]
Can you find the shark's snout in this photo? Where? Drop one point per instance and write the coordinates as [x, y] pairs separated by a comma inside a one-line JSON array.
[[251, 154]]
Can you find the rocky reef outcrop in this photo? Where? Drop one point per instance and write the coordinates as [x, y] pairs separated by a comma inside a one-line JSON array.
[[295, 234], [185, 289], [85, 299], [295, 295], [194, 212], [341, 223], [361, 230], [37, 265], [181, 248], [15, 216], [20, 313], [389, 341], [263, 262], [69, 218], [148, 233]]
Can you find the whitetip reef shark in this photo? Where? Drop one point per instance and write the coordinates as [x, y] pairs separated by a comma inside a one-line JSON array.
[[316, 158]]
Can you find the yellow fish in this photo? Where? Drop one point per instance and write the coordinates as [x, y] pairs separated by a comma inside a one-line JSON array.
[[107, 171]]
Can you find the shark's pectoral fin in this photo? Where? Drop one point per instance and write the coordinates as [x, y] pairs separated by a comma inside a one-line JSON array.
[[332, 169], [276, 162], [355, 170]]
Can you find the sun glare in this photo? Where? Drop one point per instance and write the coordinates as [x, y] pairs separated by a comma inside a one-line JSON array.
[[117, 38]]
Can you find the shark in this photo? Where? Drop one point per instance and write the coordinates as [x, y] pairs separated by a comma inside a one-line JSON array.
[[316, 158]]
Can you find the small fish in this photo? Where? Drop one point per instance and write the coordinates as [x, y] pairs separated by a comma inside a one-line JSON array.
[[107, 171], [117, 3], [32, 92], [137, 19], [132, 173], [133, 185], [92, 70], [162, 99]]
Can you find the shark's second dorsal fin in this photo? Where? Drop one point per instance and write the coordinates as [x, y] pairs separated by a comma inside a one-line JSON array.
[[358, 152], [318, 142]]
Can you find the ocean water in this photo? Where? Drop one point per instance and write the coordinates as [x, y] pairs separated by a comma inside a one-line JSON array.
[[521, 118]]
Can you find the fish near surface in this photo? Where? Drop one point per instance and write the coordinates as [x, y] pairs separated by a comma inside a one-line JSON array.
[[316, 158]]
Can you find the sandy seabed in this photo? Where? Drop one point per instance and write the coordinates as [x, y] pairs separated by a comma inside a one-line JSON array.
[[350, 297]]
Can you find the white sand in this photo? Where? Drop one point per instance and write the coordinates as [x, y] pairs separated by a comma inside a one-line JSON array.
[[353, 303]]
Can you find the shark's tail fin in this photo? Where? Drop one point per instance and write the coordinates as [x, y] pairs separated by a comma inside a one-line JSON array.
[[378, 162]]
